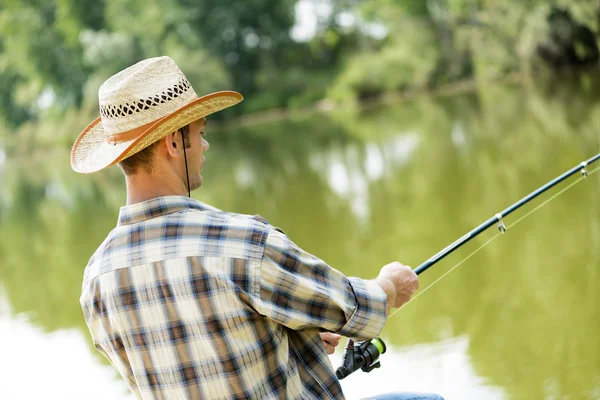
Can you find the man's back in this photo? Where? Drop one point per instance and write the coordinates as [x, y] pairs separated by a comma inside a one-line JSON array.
[[190, 302]]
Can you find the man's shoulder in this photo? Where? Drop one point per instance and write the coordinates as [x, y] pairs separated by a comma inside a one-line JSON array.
[[210, 217], [187, 233]]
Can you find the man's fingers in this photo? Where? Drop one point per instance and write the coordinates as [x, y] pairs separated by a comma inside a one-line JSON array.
[[329, 348], [330, 340], [401, 299]]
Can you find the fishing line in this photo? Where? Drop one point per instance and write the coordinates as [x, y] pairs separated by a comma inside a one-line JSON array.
[[365, 355], [494, 237]]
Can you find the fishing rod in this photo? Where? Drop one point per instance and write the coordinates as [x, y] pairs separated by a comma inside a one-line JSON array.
[[365, 355]]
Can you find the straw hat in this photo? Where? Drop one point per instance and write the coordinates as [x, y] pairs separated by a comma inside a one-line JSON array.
[[139, 106]]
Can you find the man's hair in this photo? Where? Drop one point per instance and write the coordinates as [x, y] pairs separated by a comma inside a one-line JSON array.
[[143, 159]]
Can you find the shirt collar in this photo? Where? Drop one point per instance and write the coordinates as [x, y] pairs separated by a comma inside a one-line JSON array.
[[158, 207]]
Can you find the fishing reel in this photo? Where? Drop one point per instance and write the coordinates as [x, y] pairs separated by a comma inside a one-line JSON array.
[[363, 355]]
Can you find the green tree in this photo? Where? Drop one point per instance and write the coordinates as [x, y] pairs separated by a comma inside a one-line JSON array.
[[41, 53]]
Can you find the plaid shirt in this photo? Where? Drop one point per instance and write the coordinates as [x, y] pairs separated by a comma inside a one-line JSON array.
[[189, 302]]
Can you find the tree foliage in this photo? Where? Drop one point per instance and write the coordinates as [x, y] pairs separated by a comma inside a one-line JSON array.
[[54, 54], [451, 40]]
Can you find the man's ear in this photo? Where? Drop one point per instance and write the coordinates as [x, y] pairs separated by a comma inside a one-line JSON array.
[[172, 146]]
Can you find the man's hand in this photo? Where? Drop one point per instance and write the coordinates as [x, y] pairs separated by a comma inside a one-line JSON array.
[[399, 282], [330, 340]]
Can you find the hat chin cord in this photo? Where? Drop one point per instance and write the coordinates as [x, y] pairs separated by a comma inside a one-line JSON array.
[[187, 175]]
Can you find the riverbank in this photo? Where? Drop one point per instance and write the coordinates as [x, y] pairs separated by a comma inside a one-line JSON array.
[[382, 99], [60, 132], [50, 133]]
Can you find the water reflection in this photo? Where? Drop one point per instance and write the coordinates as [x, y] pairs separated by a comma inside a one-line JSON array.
[[518, 320], [351, 169], [60, 363]]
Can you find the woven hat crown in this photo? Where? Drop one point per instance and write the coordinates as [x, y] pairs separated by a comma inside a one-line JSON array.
[[143, 93]]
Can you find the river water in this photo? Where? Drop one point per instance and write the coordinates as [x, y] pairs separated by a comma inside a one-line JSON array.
[[520, 319]]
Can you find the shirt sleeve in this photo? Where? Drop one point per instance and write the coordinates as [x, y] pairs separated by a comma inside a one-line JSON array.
[[299, 290]]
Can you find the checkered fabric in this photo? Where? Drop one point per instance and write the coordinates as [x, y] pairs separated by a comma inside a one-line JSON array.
[[189, 302]]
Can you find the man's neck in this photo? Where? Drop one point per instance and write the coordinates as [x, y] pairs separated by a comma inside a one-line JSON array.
[[143, 187]]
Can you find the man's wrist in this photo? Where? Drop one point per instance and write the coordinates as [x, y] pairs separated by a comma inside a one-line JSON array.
[[389, 289]]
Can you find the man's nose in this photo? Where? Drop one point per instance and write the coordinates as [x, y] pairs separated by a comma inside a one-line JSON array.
[[205, 144]]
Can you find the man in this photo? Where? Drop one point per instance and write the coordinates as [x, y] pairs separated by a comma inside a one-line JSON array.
[[189, 302]]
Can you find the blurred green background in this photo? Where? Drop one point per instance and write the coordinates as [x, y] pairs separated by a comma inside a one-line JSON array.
[[370, 132]]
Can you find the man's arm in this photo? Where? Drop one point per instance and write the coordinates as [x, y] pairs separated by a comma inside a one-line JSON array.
[[299, 290]]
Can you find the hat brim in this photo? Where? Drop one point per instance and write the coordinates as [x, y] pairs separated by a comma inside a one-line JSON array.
[[92, 152]]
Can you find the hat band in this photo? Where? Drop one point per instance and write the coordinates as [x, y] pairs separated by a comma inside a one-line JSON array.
[[129, 135]]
